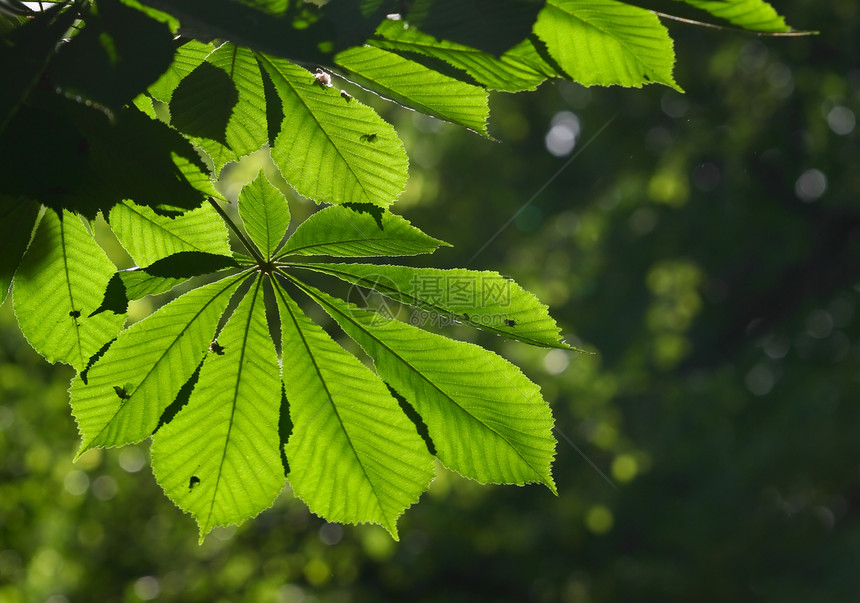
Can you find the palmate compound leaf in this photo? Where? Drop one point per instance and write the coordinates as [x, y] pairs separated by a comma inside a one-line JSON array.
[[416, 86], [604, 42], [483, 299], [127, 390], [487, 421], [219, 457], [149, 237], [341, 231], [60, 281], [265, 214], [354, 455], [331, 147]]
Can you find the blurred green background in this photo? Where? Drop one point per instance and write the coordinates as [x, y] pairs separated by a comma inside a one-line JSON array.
[[705, 247]]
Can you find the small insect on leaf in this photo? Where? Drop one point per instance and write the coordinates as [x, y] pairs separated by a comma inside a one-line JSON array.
[[121, 392], [193, 482], [510, 322], [345, 95], [323, 78], [74, 313], [368, 138], [217, 348]]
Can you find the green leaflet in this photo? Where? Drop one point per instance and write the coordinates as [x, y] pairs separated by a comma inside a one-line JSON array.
[[128, 388], [604, 42], [60, 281], [487, 421], [160, 277], [512, 72], [148, 236], [755, 15], [17, 218], [354, 455], [186, 59], [221, 104], [483, 299], [219, 457], [415, 86], [344, 232], [332, 148], [265, 214]]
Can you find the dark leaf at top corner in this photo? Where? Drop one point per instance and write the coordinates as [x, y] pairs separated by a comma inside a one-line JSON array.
[[119, 52], [487, 25]]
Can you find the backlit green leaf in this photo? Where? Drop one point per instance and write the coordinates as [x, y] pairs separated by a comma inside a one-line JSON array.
[[219, 458], [60, 281], [486, 300], [755, 15], [186, 59], [486, 419], [128, 388], [511, 72], [265, 214], [604, 42], [332, 148], [373, 464], [415, 86], [222, 105], [344, 232], [148, 236]]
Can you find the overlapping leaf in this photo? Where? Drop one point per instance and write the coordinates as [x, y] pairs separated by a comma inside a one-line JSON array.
[[513, 71], [148, 236], [416, 86], [486, 419], [332, 148], [219, 457], [343, 232], [222, 105], [604, 42], [17, 219], [354, 455], [59, 282], [122, 396]]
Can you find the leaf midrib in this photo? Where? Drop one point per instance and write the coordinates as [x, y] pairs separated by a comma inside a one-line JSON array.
[[331, 401], [170, 347], [241, 363]]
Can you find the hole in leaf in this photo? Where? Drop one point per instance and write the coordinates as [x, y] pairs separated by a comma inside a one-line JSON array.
[[368, 138], [181, 399], [416, 419], [285, 429]]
